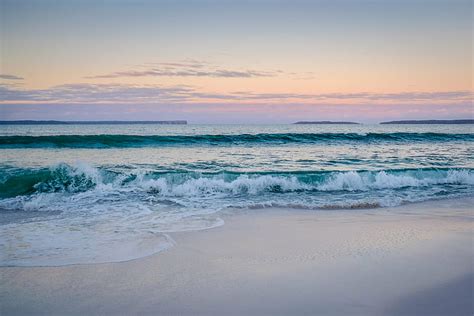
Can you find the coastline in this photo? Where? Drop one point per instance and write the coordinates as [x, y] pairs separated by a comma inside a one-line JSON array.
[[276, 261]]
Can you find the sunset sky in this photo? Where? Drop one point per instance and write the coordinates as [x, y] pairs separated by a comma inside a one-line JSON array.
[[236, 61]]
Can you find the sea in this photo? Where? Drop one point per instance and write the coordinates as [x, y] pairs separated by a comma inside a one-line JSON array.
[[78, 194]]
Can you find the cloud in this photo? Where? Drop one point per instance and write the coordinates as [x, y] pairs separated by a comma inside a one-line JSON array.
[[95, 93], [84, 101], [187, 68], [10, 77], [463, 95], [127, 93]]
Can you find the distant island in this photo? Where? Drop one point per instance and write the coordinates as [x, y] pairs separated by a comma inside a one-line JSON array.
[[51, 122], [324, 122], [466, 121]]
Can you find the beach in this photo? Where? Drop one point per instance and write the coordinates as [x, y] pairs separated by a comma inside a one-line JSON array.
[[236, 158], [414, 259]]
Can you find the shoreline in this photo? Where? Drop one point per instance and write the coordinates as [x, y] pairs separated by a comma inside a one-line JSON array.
[[276, 261], [228, 214]]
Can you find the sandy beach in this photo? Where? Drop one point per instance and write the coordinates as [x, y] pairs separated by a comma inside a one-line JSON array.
[[410, 260]]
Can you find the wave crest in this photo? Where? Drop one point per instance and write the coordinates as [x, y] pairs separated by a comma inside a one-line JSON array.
[[243, 184], [82, 177], [365, 181], [125, 141]]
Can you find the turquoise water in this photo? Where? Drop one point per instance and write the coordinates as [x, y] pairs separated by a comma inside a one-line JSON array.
[[99, 193]]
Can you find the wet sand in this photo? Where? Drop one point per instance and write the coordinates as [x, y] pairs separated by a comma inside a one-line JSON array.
[[410, 260]]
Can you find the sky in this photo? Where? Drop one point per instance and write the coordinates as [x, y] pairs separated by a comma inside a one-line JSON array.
[[236, 61]]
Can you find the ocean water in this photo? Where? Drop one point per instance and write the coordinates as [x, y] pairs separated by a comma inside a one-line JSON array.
[[72, 194]]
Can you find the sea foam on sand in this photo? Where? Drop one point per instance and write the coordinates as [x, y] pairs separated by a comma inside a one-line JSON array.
[[409, 260]]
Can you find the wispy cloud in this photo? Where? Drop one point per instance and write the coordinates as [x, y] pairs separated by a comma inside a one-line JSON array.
[[186, 68], [401, 96], [10, 77], [94, 93], [126, 93]]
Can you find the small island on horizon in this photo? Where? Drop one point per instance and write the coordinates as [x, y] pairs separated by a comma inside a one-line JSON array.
[[53, 122], [463, 121], [184, 122], [324, 122]]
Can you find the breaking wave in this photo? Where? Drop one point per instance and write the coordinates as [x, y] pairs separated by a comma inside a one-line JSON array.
[[82, 177]]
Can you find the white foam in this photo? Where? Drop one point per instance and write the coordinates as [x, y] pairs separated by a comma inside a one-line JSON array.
[[353, 181], [209, 186]]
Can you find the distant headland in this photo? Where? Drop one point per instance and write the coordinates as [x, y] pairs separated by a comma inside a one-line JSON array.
[[51, 122], [466, 121], [324, 122]]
